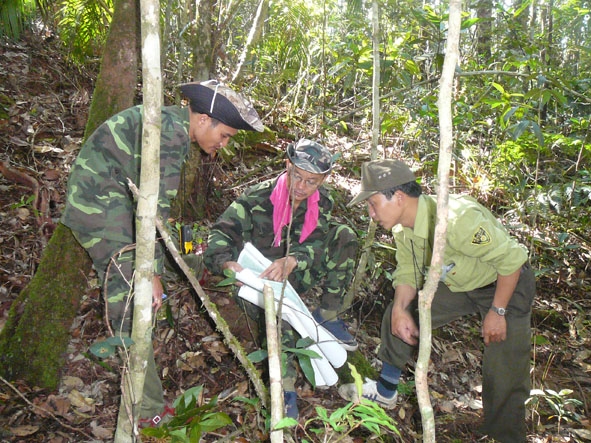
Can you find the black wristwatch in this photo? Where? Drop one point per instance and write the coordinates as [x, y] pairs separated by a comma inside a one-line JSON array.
[[500, 311]]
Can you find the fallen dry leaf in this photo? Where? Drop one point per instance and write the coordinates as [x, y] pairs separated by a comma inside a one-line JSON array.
[[100, 432], [79, 401], [23, 431]]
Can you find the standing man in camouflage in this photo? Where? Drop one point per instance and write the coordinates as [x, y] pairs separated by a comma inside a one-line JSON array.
[[100, 208], [320, 251]]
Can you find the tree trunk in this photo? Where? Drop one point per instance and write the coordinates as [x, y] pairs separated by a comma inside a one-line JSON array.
[[192, 194], [117, 80], [34, 340], [274, 350], [428, 292], [36, 336], [147, 203], [203, 65], [255, 32]]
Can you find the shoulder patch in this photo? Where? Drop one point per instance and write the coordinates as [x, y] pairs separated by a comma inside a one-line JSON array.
[[481, 237]]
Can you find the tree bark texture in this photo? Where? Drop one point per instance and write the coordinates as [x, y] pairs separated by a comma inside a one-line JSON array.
[[141, 332], [192, 194], [116, 83], [274, 352], [445, 149], [36, 335]]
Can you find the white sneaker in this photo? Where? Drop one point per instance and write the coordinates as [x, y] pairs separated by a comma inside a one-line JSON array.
[[369, 391]]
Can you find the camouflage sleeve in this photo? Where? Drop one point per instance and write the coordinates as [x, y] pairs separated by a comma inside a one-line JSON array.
[[98, 198], [99, 202]]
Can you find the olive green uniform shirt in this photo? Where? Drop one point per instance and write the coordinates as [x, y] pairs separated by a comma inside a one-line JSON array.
[[478, 247]]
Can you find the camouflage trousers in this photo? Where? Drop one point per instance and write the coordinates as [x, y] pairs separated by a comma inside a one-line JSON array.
[[332, 271], [118, 275], [115, 266]]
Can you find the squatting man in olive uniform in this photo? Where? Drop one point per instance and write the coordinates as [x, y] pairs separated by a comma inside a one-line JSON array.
[[320, 251], [485, 271], [100, 208]]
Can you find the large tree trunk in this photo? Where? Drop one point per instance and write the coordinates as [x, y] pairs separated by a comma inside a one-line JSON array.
[[192, 194], [34, 340], [36, 335], [116, 83]]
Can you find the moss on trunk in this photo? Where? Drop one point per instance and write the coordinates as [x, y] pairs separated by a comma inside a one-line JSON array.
[[36, 335]]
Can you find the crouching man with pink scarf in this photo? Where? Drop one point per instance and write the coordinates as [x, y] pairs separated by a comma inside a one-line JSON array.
[[293, 209]]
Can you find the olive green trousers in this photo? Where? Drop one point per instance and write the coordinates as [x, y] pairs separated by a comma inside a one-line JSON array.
[[505, 365]]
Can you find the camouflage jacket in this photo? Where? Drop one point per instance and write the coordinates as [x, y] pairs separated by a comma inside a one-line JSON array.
[[99, 202], [250, 219]]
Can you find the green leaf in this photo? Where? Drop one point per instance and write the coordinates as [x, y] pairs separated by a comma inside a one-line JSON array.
[[540, 340], [229, 273], [469, 22], [308, 353], [286, 422], [308, 370], [258, 356], [227, 282], [248, 401], [121, 341], [498, 87], [304, 342], [195, 434], [215, 421], [188, 399], [154, 432], [102, 349]]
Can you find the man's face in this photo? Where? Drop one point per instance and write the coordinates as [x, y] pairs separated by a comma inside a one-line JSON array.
[[302, 183], [386, 213], [210, 138]]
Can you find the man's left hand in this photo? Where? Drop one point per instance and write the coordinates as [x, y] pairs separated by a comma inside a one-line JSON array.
[[494, 328], [280, 269]]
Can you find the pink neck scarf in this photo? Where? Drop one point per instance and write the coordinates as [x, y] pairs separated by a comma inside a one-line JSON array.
[[282, 210]]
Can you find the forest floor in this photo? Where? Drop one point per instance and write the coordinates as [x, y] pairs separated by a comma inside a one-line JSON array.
[[43, 107]]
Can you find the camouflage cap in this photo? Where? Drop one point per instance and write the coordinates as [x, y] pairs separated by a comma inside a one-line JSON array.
[[222, 103], [310, 156], [380, 175]]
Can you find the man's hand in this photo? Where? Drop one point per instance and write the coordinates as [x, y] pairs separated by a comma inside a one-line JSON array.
[[280, 269], [494, 328], [233, 266], [404, 326]]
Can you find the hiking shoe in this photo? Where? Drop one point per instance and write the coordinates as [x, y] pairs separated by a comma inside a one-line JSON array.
[[369, 391], [291, 405], [159, 419], [338, 329]]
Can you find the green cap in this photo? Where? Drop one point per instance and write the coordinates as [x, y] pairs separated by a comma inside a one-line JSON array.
[[222, 103], [380, 175], [310, 156]]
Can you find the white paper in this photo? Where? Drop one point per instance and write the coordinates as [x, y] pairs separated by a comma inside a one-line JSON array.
[[294, 311]]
